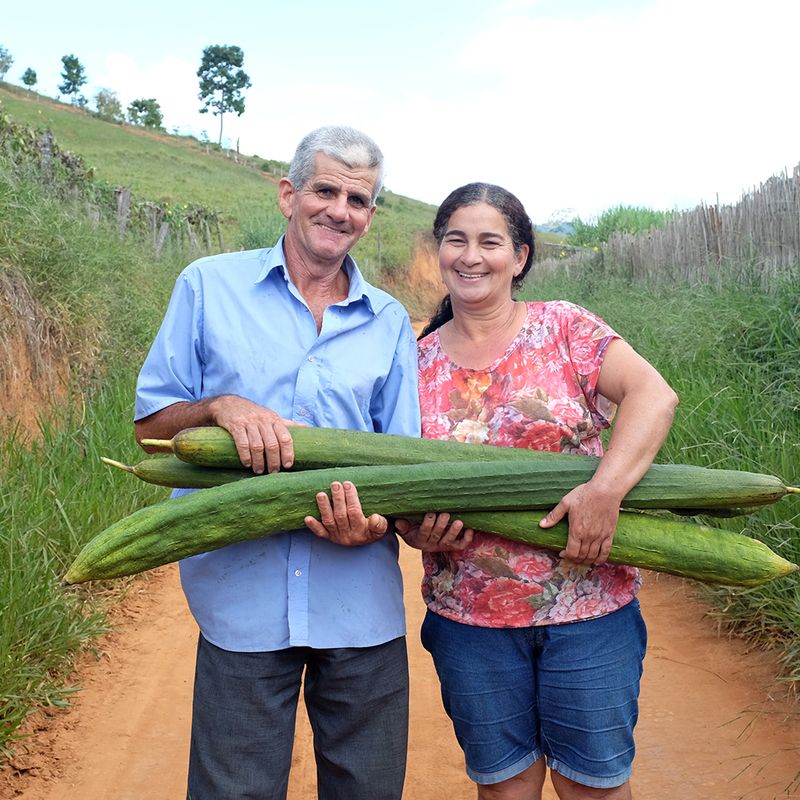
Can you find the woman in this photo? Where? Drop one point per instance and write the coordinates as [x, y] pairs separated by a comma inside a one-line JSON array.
[[539, 653]]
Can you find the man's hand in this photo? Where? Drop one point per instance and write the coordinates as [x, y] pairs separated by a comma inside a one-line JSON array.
[[593, 515], [262, 437], [435, 533], [342, 521]]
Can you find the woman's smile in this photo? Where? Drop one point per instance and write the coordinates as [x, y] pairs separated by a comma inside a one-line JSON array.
[[470, 276]]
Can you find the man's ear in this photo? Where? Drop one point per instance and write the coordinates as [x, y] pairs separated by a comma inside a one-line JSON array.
[[286, 192], [369, 221]]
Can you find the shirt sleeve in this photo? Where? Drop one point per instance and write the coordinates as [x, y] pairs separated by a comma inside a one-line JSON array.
[[395, 407], [588, 338], [172, 371]]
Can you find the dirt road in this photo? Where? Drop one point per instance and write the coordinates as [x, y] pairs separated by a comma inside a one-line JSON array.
[[712, 725]]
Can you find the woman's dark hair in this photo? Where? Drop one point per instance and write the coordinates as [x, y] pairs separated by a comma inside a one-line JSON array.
[[519, 225]]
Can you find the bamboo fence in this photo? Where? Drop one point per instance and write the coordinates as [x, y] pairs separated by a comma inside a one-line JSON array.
[[755, 241]]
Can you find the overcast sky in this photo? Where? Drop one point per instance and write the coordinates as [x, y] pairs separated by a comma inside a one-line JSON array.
[[574, 105]]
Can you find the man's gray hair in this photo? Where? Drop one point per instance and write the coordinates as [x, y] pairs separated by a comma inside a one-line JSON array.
[[346, 145]]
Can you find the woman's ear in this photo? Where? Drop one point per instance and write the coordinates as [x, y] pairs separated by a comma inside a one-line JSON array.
[[521, 257]]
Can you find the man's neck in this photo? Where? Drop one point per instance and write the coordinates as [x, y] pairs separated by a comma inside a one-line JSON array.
[[319, 284]]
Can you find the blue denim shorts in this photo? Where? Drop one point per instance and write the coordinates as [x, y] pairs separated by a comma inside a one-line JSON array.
[[566, 692]]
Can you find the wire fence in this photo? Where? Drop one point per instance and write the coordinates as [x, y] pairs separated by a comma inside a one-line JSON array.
[[189, 227]]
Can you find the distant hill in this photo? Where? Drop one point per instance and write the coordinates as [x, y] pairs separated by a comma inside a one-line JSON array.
[[562, 228]]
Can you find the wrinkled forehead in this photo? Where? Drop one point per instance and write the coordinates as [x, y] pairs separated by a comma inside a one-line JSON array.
[[349, 176]]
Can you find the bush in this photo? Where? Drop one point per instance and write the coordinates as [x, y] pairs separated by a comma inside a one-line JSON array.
[[620, 219], [108, 106]]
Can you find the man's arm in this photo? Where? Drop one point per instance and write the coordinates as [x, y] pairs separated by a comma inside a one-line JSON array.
[[262, 438], [172, 378]]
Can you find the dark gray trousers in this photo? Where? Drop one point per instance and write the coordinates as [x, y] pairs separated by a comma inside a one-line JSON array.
[[243, 721]]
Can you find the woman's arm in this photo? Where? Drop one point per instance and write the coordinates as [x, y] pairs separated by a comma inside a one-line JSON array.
[[646, 405]]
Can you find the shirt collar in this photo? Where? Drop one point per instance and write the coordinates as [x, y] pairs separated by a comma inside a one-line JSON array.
[[274, 258]]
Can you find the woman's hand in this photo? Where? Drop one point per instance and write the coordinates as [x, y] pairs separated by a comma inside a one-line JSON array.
[[592, 514], [434, 534], [342, 521]]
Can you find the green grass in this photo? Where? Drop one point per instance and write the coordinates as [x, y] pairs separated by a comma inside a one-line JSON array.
[[55, 494], [99, 298], [620, 219], [104, 293], [171, 169]]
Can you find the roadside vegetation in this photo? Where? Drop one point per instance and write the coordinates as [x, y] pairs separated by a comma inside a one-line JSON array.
[[620, 219], [731, 354], [102, 297]]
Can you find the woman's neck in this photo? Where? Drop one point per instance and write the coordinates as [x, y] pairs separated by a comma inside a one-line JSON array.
[[479, 325], [476, 339]]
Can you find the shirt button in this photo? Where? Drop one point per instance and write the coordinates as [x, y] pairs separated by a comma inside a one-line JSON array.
[[311, 358], [298, 572]]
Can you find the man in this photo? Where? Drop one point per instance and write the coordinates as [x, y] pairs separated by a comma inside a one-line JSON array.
[[255, 342]]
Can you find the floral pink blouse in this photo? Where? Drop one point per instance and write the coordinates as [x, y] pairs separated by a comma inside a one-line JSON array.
[[541, 394]]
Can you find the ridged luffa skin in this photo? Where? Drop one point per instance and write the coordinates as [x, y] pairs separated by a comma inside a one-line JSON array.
[[265, 504]]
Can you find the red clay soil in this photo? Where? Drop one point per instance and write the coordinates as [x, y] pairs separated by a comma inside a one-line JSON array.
[[713, 723]]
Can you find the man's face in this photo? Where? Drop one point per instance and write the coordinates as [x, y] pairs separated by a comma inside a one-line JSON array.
[[330, 213]]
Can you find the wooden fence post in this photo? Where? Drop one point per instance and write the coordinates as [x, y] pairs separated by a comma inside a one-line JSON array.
[[46, 159], [123, 198], [161, 237]]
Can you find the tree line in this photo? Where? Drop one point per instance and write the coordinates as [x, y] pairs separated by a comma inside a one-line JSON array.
[[221, 76]]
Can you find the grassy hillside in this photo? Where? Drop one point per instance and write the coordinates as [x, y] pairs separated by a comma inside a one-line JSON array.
[[170, 169], [177, 170]]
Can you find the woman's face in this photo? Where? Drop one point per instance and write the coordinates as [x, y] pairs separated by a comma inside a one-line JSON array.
[[477, 258]]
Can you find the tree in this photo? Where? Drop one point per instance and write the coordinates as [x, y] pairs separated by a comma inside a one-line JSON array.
[[222, 81], [6, 60], [146, 112], [29, 78], [74, 77], [108, 106]]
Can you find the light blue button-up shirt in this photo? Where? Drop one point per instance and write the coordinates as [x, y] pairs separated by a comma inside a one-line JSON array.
[[236, 324]]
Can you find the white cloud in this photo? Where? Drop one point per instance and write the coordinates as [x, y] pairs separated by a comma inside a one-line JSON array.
[[619, 108], [171, 81], [277, 117]]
